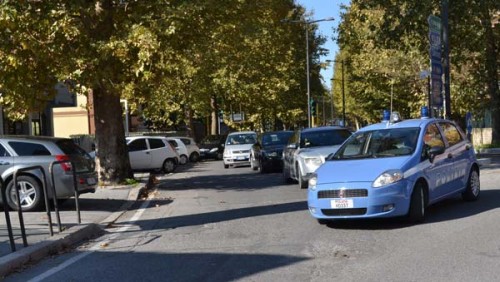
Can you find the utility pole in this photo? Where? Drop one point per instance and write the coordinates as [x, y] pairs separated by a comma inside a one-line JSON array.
[[343, 94], [307, 23], [446, 59]]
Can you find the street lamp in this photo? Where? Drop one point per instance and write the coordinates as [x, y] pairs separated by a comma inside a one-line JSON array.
[[343, 90], [307, 22]]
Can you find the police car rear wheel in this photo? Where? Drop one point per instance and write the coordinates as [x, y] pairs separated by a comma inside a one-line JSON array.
[[472, 190], [417, 204]]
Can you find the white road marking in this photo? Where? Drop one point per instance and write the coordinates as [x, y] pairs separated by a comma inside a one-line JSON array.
[[94, 248]]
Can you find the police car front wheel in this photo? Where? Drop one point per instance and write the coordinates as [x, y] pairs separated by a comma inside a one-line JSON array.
[[416, 213]]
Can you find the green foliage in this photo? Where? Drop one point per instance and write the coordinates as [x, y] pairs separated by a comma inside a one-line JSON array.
[[130, 181], [384, 46]]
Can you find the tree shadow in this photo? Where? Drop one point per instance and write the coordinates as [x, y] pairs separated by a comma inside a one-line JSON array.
[[222, 216], [236, 182], [171, 266]]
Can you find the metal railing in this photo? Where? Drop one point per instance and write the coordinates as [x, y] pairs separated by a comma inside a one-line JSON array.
[[20, 171]]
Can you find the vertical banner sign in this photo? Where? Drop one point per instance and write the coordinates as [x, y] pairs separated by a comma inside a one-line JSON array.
[[436, 66]]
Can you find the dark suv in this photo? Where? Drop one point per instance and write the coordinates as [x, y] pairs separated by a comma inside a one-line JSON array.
[[25, 151]]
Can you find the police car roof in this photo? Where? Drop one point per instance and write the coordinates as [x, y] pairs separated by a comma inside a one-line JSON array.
[[401, 124]]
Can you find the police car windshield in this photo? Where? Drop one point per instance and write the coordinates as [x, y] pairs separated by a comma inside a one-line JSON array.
[[380, 143]]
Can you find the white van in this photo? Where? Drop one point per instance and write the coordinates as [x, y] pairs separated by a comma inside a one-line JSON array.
[[237, 148]]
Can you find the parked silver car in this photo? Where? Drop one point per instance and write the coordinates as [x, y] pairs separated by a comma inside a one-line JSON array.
[[18, 152], [307, 149]]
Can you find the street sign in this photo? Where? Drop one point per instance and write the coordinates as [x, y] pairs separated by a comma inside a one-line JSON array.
[[435, 60]]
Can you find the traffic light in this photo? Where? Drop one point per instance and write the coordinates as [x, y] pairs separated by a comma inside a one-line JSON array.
[[313, 107]]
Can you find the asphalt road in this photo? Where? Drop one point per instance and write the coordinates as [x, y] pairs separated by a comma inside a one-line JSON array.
[[212, 224]]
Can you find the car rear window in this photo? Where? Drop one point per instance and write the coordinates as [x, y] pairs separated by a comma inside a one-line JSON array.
[[324, 138], [70, 148], [29, 149]]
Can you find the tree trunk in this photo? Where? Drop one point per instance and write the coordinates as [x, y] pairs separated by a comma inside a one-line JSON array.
[[113, 163], [214, 116], [491, 57]]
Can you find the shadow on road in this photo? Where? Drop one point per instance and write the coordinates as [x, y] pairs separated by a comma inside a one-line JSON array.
[[221, 216], [154, 266], [450, 209]]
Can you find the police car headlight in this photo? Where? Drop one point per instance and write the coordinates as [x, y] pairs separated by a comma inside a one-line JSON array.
[[213, 150], [388, 177], [313, 162], [313, 181]]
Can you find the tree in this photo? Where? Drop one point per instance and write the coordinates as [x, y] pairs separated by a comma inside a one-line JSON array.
[[386, 45]]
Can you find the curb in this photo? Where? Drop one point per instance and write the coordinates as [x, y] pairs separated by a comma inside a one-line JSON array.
[[53, 245], [69, 237], [484, 161]]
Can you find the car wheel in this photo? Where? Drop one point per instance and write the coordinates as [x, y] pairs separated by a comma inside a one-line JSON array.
[[30, 194], [219, 156], [168, 166], [302, 182], [252, 163], [226, 166], [183, 159], [472, 190], [417, 204], [286, 176], [194, 157], [262, 168]]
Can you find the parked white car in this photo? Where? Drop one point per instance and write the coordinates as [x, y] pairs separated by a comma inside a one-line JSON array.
[[237, 148], [180, 148], [151, 153], [192, 148]]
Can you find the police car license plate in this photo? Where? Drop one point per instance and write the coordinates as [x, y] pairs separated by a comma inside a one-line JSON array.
[[241, 158], [342, 203]]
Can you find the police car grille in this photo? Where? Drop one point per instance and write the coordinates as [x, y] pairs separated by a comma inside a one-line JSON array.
[[344, 212], [241, 152], [348, 193]]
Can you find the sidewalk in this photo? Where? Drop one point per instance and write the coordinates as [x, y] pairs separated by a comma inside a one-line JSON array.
[[97, 211]]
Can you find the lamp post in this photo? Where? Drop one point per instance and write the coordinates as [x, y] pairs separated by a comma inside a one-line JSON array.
[[307, 23], [343, 91]]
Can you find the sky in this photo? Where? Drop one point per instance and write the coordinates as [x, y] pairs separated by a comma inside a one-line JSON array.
[[322, 9]]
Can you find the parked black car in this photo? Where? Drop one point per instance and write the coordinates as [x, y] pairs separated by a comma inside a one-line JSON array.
[[267, 154], [212, 146]]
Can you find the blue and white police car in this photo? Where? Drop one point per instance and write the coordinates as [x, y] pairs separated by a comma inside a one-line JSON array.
[[395, 168]]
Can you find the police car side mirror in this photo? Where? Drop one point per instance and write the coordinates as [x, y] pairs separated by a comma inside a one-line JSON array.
[[434, 151]]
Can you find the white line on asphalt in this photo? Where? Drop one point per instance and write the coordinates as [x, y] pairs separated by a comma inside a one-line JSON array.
[[94, 248]]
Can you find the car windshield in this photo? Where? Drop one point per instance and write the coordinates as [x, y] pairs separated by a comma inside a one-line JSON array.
[[211, 140], [378, 144], [324, 138], [276, 138], [239, 139]]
